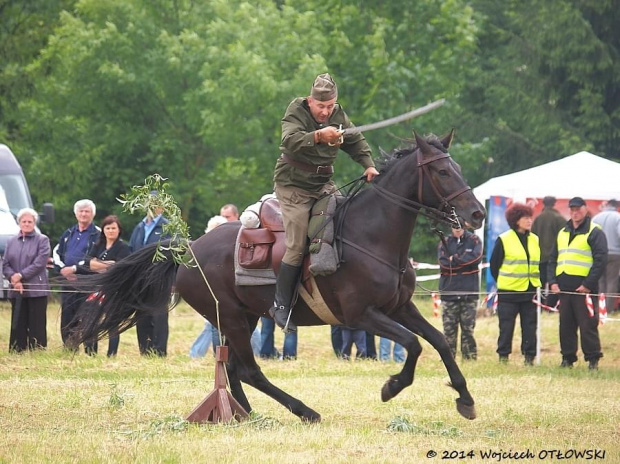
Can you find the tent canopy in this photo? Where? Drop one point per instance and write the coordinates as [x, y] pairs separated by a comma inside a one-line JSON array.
[[582, 174]]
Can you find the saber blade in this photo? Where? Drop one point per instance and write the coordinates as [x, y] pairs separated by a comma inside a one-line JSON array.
[[396, 119]]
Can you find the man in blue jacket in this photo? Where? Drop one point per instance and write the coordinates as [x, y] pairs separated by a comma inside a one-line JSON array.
[[152, 330], [69, 259]]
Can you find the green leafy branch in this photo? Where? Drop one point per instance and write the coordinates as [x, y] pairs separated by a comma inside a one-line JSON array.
[[152, 199]]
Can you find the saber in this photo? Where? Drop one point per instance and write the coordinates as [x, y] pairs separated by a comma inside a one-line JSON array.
[[396, 119]]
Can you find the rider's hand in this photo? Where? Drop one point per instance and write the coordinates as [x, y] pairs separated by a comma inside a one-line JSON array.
[[329, 134], [370, 173]]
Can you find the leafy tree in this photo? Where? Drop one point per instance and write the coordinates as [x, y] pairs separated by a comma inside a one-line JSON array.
[[128, 88], [545, 82], [195, 91], [24, 29]]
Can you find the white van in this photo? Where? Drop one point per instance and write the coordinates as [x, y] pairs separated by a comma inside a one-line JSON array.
[[14, 195]]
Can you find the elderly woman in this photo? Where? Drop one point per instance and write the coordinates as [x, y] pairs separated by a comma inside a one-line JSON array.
[[106, 251], [514, 265], [24, 265]]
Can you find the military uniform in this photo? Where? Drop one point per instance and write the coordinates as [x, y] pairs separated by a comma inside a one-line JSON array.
[[459, 287], [310, 144], [295, 186]]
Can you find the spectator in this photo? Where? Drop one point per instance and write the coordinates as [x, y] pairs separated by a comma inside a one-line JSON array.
[[69, 255], [371, 349], [546, 226], [229, 212], [152, 330], [303, 172], [24, 266], [459, 257], [268, 349], [336, 338], [201, 345], [514, 266], [107, 250], [386, 353], [609, 220], [349, 337], [576, 264]]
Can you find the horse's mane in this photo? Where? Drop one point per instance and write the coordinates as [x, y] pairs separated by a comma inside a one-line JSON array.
[[388, 160]]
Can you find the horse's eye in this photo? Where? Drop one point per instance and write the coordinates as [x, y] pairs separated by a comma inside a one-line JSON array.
[[443, 173]]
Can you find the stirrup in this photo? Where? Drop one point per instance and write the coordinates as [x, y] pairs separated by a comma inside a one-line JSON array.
[[282, 318]]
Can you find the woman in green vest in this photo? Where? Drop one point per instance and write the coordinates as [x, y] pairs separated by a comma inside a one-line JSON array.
[[515, 267]]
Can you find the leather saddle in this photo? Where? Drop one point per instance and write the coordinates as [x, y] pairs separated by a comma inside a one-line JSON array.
[[264, 247]]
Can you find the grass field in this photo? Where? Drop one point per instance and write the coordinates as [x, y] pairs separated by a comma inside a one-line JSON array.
[[58, 408]]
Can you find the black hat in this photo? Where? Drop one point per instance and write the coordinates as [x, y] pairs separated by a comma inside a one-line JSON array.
[[576, 202]]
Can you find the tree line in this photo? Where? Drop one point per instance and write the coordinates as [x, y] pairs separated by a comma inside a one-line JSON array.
[[97, 95]]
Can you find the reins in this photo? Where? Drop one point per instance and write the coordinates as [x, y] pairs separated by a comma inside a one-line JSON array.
[[435, 214]]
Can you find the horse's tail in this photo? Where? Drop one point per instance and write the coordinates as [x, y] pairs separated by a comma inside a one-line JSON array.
[[133, 287]]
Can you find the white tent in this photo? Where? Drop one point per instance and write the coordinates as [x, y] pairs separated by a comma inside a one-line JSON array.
[[582, 174]]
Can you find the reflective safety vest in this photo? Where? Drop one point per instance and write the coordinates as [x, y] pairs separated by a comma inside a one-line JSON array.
[[574, 258], [516, 272]]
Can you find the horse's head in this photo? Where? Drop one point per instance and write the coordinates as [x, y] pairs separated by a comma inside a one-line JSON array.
[[441, 184]]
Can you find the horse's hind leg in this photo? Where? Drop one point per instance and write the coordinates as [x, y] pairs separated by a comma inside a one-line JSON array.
[[247, 370], [410, 317]]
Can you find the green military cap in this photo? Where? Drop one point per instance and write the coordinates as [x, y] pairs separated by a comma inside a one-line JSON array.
[[324, 88]]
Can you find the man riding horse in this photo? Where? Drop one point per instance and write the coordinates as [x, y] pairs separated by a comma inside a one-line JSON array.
[[311, 137]]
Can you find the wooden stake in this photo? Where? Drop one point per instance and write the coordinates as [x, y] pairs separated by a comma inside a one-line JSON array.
[[219, 405]]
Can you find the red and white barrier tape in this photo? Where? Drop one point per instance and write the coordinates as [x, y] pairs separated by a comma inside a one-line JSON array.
[[554, 309], [602, 309]]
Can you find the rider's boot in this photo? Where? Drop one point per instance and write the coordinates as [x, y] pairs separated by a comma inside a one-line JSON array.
[[286, 284]]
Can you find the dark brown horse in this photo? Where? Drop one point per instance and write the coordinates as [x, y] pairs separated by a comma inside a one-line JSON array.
[[371, 290]]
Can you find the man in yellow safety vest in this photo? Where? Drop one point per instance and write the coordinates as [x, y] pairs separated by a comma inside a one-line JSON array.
[[577, 262]]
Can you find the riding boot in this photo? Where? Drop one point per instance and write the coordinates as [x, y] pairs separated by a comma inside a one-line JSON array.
[[286, 285]]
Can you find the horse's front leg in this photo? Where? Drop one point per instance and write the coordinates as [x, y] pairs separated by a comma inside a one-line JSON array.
[[410, 317], [379, 324]]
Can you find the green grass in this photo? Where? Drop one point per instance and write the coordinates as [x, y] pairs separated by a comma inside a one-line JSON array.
[[55, 407]]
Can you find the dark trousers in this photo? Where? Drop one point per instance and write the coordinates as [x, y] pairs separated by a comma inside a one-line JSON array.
[[351, 336], [574, 315], [552, 298], [267, 342], [336, 337], [28, 324], [71, 303], [152, 333], [113, 345], [507, 314], [371, 348]]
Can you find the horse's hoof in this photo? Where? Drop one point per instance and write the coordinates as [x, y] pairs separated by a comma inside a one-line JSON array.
[[312, 418], [467, 411], [387, 393]]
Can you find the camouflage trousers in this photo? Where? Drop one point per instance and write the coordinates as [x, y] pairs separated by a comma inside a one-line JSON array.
[[461, 313]]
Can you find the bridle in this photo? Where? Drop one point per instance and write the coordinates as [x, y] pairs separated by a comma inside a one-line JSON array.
[[445, 213]]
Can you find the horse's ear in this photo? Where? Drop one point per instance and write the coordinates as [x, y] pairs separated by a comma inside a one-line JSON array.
[[422, 144], [447, 140]]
